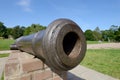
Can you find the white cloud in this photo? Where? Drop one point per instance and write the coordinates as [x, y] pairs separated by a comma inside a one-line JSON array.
[[25, 4]]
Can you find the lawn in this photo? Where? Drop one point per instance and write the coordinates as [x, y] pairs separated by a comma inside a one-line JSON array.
[[96, 42], [4, 55], [106, 61], [2, 78], [5, 44]]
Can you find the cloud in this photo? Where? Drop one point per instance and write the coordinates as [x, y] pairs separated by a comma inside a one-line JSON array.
[[25, 4]]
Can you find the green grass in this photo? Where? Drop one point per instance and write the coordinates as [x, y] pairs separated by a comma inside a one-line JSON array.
[[2, 78], [96, 42], [5, 44], [106, 61], [4, 55]]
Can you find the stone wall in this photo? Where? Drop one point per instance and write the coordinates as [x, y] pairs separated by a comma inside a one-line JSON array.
[[23, 66]]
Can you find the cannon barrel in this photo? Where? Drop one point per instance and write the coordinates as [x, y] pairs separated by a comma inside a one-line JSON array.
[[62, 45]]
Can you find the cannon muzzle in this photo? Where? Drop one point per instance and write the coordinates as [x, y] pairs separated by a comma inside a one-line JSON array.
[[62, 45]]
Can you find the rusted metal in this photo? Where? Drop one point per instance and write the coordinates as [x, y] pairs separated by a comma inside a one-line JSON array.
[[62, 45]]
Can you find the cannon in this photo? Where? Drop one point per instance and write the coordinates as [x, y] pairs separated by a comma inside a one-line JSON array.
[[61, 46]]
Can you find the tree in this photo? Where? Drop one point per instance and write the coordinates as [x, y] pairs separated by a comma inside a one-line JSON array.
[[97, 29], [17, 31], [89, 35], [97, 34], [119, 28], [8, 32], [117, 38], [117, 35], [2, 30], [33, 29], [113, 34], [105, 35], [113, 28], [36, 28], [27, 31]]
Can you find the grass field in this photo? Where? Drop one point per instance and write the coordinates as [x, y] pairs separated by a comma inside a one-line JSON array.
[[2, 78], [106, 61], [96, 42], [5, 44], [4, 55]]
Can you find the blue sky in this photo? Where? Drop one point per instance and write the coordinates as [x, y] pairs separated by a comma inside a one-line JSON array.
[[88, 14]]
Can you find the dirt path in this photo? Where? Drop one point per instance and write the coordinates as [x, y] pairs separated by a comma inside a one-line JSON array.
[[104, 46]]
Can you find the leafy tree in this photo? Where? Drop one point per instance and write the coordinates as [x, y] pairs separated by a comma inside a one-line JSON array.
[[113, 28], [27, 31], [97, 29], [97, 34], [117, 38], [36, 28], [119, 28], [8, 32], [109, 35], [117, 35], [33, 29], [89, 35], [2, 30], [112, 34], [112, 31], [105, 34], [17, 31]]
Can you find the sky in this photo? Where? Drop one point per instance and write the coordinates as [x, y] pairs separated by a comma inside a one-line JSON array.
[[88, 14]]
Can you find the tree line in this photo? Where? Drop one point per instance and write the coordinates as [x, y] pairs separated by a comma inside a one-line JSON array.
[[112, 34], [18, 31]]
